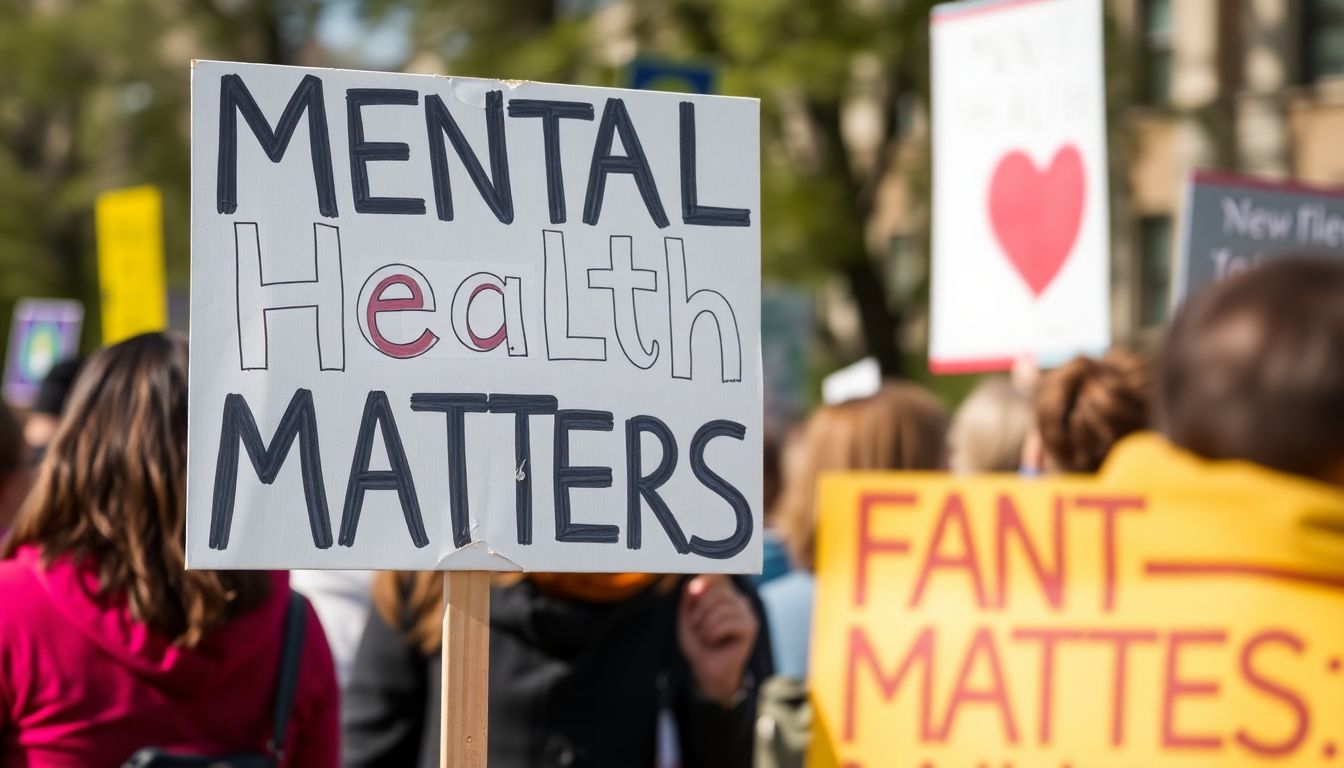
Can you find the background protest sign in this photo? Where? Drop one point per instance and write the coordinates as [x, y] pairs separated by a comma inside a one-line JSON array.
[[468, 324], [1020, 234], [657, 73], [1230, 223], [44, 332], [130, 262], [1129, 621]]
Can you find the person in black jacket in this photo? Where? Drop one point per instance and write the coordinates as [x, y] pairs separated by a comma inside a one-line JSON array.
[[605, 670]]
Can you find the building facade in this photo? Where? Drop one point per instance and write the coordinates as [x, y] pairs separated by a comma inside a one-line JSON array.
[[1250, 86]]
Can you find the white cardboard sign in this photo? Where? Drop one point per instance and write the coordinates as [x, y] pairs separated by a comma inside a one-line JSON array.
[[448, 323], [1020, 234]]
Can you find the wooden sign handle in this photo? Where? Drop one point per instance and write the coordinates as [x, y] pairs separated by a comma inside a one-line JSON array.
[[466, 669]]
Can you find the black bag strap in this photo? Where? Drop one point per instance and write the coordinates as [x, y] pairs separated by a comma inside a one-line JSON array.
[[287, 678]]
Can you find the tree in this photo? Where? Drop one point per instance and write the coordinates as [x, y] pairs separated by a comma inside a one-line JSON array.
[[815, 64], [811, 62], [98, 94], [95, 95], [82, 102]]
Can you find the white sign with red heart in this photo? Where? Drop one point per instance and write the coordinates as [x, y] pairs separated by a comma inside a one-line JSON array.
[[1020, 235]]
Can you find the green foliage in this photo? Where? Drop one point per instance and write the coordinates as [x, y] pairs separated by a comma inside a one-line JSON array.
[[85, 104], [799, 57], [94, 96]]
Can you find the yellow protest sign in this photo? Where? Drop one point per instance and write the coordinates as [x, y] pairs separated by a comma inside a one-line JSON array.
[[130, 262], [1170, 612]]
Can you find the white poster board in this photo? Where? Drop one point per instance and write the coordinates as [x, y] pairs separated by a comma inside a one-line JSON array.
[[448, 323], [1020, 214]]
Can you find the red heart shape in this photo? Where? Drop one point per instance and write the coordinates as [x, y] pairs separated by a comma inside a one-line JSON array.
[[1036, 216]]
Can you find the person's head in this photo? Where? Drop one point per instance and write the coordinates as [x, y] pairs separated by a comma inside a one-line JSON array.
[[989, 428], [901, 427], [1086, 405], [1253, 369], [111, 492], [52, 397], [14, 471]]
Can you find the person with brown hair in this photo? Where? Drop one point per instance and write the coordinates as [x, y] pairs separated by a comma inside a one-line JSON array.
[[903, 426], [107, 644], [14, 473], [1253, 370], [585, 670], [1087, 405]]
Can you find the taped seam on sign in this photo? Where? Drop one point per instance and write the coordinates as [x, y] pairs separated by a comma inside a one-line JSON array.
[[476, 547], [470, 92]]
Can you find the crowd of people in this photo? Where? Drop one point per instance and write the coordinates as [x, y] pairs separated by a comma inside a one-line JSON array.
[[112, 653]]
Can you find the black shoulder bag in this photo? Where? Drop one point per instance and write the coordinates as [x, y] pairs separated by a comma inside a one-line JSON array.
[[291, 656]]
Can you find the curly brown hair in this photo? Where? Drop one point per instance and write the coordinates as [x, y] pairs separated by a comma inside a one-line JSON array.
[[1085, 406]]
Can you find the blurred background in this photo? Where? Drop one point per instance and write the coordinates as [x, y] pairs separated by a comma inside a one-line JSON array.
[[94, 96]]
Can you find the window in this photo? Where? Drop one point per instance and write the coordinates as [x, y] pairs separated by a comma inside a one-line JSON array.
[[1322, 39], [1155, 53], [1154, 269]]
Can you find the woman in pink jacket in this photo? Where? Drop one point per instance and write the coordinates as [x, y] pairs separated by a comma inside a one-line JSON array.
[[107, 644]]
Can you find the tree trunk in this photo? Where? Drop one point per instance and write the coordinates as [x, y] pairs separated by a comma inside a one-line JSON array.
[[878, 323]]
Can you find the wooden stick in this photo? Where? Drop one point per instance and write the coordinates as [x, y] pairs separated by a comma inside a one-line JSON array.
[[466, 669]]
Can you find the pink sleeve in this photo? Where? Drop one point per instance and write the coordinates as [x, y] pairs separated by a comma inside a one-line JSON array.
[[7, 676], [315, 735], [4, 706]]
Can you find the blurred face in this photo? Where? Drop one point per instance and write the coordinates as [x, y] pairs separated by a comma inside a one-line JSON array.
[[39, 429]]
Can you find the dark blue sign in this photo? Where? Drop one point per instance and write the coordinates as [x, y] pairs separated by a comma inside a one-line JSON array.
[[655, 74]]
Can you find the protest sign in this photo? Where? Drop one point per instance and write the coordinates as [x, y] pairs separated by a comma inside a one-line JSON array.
[[1020, 233], [130, 262], [656, 73], [460, 324], [1136, 619], [1231, 223], [44, 332]]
